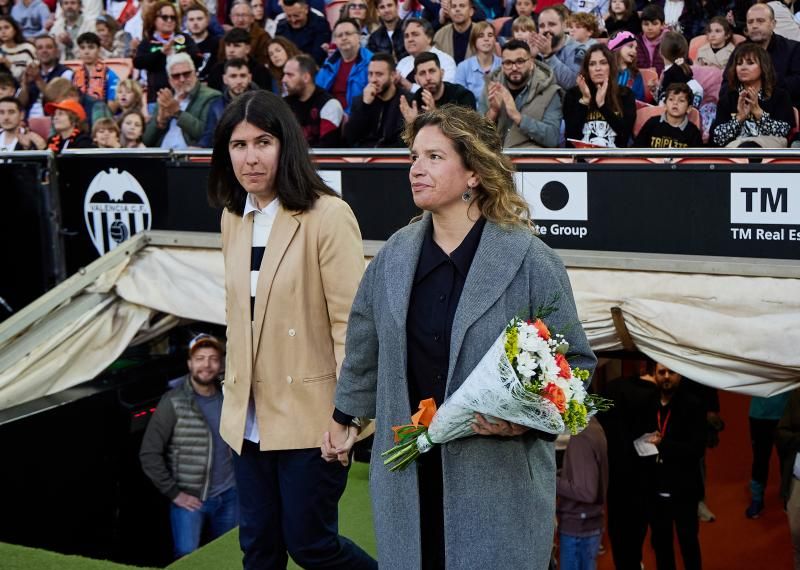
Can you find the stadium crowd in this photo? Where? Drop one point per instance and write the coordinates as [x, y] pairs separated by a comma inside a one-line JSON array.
[[585, 73]]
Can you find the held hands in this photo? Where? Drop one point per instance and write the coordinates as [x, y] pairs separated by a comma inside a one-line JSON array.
[[541, 44], [655, 438], [755, 107], [337, 443], [188, 502], [482, 426], [743, 107], [586, 95], [600, 96], [409, 112]]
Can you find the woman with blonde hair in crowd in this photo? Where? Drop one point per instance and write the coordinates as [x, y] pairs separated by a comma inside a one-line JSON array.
[[473, 71], [431, 304], [365, 13], [279, 51]]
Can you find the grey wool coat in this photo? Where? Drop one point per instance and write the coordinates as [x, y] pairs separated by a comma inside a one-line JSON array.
[[499, 493]]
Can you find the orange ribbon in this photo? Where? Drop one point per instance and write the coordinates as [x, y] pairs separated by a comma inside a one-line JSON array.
[[424, 417]]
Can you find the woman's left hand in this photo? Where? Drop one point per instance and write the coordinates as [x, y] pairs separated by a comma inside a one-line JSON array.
[[482, 426], [755, 108]]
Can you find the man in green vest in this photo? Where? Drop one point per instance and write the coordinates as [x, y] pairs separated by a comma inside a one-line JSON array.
[[184, 456], [523, 99]]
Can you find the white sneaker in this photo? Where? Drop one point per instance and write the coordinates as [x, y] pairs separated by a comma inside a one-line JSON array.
[[704, 514]]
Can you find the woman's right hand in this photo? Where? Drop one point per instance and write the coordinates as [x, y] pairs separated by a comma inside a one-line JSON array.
[[337, 442], [742, 107]]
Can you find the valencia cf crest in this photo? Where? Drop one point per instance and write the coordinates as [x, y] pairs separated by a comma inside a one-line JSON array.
[[115, 208]]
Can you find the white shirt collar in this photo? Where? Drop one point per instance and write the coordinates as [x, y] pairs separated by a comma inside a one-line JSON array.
[[250, 205]]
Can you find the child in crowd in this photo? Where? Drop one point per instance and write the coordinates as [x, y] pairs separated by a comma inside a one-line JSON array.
[[672, 129], [94, 78], [720, 44], [8, 87], [647, 54], [523, 29], [623, 45], [623, 16], [524, 9], [130, 97], [132, 129], [582, 27], [598, 9], [105, 134], [675, 51]]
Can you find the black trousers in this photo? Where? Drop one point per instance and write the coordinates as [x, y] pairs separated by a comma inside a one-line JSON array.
[[670, 514], [762, 439], [288, 502], [627, 527], [431, 509]]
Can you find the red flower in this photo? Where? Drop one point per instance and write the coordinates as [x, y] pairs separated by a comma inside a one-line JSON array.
[[563, 365], [544, 332], [556, 395]]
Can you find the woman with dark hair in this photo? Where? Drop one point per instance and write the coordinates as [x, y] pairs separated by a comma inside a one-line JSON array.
[[160, 40], [15, 52], [293, 260], [279, 51], [754, 111], [598, 111], [431, 304], [623, 45], [622, 15]]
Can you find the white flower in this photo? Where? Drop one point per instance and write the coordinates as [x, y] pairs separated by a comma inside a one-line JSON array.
[[532, 342], [526, 364], [578, 391], [565, 386], [548, 366]]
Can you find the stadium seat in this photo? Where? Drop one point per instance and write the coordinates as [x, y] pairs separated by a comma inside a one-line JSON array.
[[41, 126], [122, 66], [497, 24], [643, 114], [699, 41], [649, 74]]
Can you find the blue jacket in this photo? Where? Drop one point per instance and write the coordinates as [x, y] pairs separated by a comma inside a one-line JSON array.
[[355, 82]]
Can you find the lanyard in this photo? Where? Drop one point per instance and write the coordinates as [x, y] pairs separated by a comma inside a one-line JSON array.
[[662, 429]]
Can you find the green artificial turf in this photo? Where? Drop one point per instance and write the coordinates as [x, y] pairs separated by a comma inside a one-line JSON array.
[[355, 522], [14, 557]]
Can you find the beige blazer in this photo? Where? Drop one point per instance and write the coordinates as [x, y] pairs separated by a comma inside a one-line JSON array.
[[290, 355]]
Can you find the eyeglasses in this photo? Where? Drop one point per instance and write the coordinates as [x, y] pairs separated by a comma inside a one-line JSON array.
[[508, 64], [181, 75], [358, 6], [168, 17], [341, 35]]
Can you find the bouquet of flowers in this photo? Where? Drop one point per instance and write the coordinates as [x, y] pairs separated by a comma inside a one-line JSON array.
[[524, 378]]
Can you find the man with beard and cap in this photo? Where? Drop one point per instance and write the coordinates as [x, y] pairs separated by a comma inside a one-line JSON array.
[[556, 48], [237, 79], [680, 437], [435, 91], [375, 118], [523, 99], [185, 457]]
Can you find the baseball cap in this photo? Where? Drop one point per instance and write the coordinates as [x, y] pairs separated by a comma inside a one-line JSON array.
[[204, 340], [66, 105]]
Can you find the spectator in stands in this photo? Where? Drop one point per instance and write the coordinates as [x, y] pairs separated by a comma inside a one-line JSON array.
[[453, 38], [185, 115], [130, 97], [785, 23], [785, 54], [319, 113], [680, 437], [33, 17], [556, 48], [160, 41], [581, 490], [39, 73], [524, 9], [418, 38], [94, 77], [523, 29], [763, 416], [344, 73], [105, 134], [364, 13], [70, 24], [647, 52], [114, 42], [389, 35], [242, 18], [5, 7], [185, 457], [259, 13], [753, 111], [280, 50], [675, 53], [131, 128], [623, 16], [599, 111], [672, 129], [473, 71], [787, 440], [8, 87], [135, 26], [375, 118], [582, 27], [237, 45], [623, 45], [13, 134], [274, 8], [598, 9], [213, 25], [237, 79], [434, 90], [523, 99], [197, 23], [15, 52], [60, 89], [717, 51], [306, 30], [69, 126]]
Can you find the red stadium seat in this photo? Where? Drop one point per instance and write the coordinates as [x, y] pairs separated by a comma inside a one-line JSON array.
[[643, 114], [649, 74], [122, 66]]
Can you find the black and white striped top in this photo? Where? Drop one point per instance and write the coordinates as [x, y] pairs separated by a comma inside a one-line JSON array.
[[262, 226]]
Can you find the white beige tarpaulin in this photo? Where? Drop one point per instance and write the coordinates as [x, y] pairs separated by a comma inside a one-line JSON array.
[[734, 332]]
